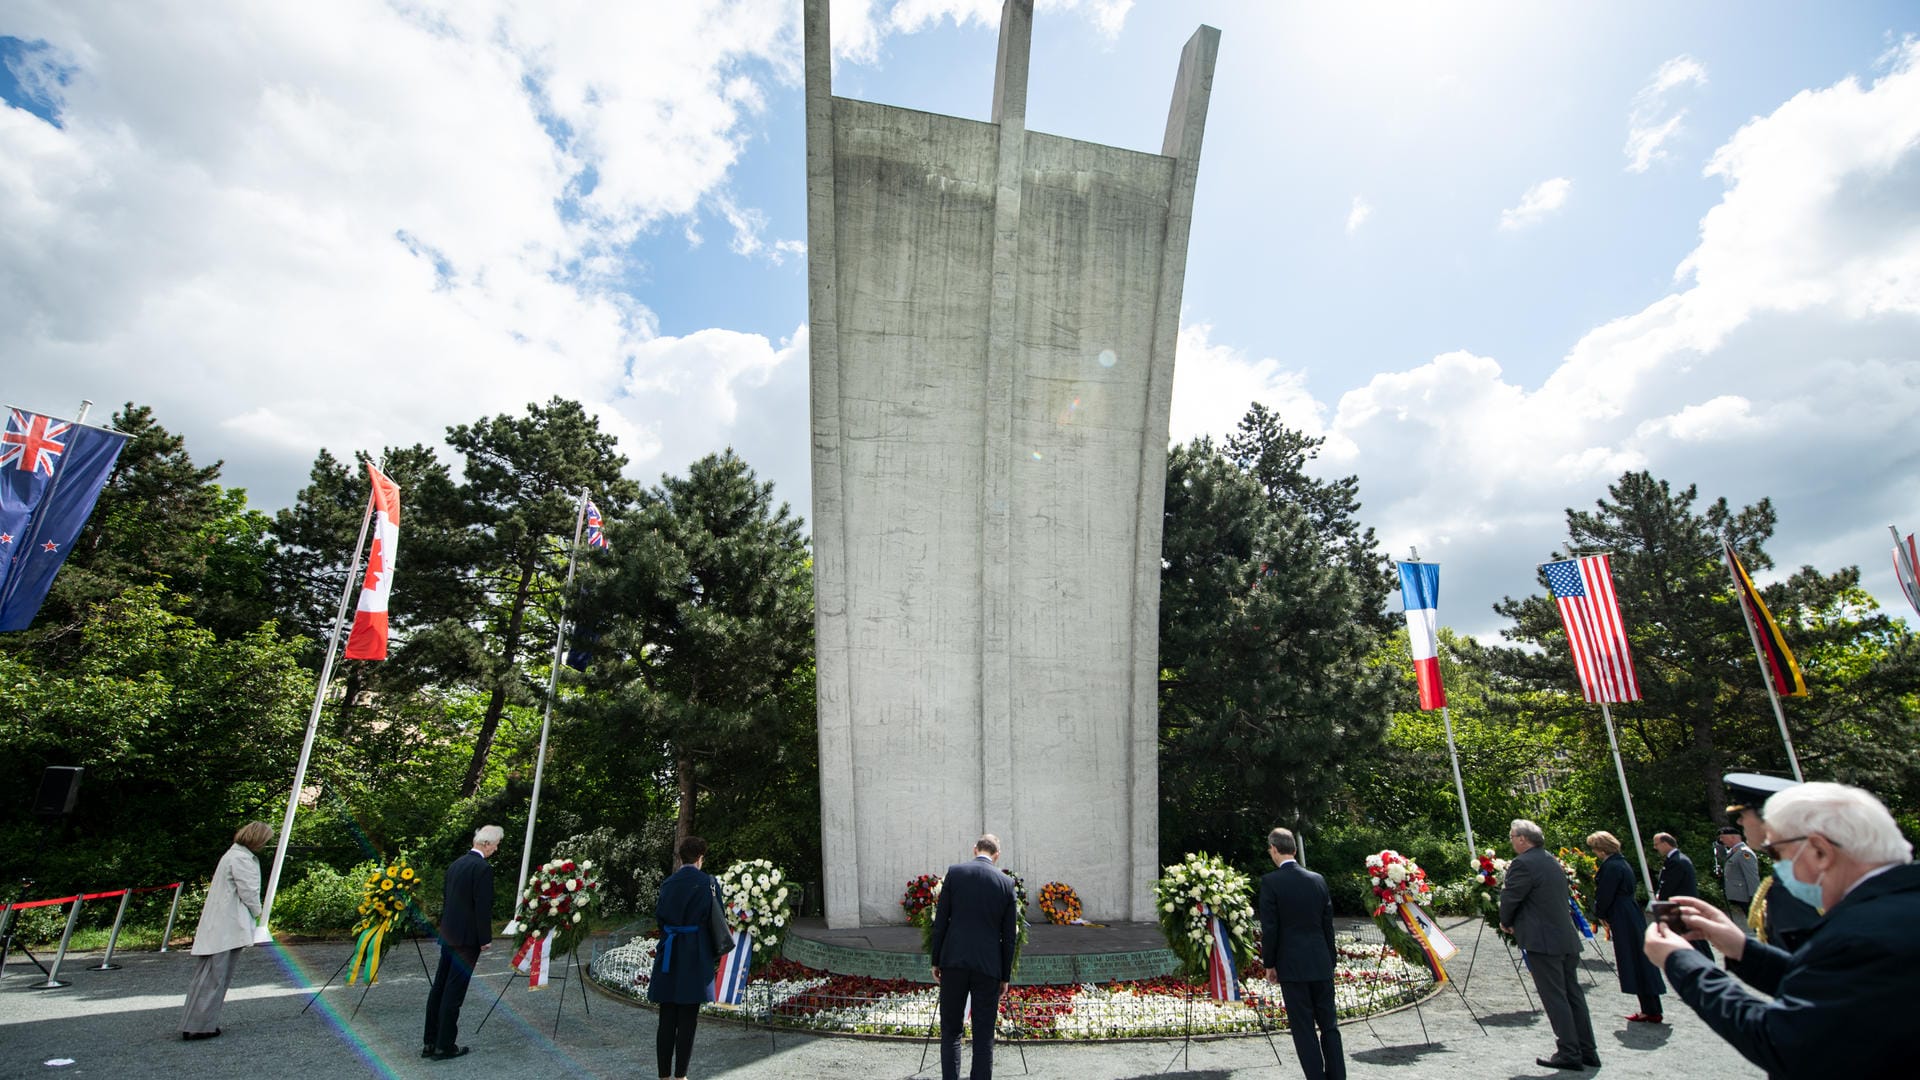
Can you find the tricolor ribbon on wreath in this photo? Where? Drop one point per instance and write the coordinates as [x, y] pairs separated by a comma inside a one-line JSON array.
[[1223, 978], [535, 959], [1580, 918], [1434, 943], [730, 982]]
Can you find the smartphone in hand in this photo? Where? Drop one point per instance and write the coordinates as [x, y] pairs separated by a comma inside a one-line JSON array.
[[1668, 912]]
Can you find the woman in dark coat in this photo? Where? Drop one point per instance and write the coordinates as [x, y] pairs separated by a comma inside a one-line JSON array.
[[684, 964], [1615, 905]]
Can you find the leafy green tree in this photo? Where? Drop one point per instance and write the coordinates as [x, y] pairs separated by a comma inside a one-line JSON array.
[[1276, 456], [524, 475], [703, 621], [435, 601], [160, 519], [1704, 709], [1267, 686], [184, 737]]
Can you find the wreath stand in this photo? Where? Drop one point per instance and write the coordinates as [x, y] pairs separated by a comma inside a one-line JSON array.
[[516, 973], [363, 994], [933, 1026], [1380, 965], [1184, 1054], [1516, 961]]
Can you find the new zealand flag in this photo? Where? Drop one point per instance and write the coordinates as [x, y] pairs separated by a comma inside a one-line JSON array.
[[51, 472]]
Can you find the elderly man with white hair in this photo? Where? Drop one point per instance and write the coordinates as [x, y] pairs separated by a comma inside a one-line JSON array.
[[1836, 847]]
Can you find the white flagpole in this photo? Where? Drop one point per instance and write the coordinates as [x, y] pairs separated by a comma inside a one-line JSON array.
[[1459, 787], [546, 721], [1753, 635], [1903, 566], [1453, 755], [1633, 822], [261, 933]]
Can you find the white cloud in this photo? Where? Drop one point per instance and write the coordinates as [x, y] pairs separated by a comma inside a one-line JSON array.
[[1726, 416], [1788, 367], [1214, 384], [1358, 214], [1536, 203], [1652, 120], [288, 228], [907, 16]]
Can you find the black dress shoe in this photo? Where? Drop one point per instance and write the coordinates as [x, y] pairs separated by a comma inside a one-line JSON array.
[[1591, 1061], [1557, 1062], [426, 1051], [195, 1036], [460, 1051]]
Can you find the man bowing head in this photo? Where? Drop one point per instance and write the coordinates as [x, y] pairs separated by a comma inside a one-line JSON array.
[[974, 929]]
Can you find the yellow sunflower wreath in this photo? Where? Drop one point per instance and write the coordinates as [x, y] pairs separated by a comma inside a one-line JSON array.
[[385, 898]]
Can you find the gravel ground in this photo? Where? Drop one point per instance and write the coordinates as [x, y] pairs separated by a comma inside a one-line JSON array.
[[125, 1024]]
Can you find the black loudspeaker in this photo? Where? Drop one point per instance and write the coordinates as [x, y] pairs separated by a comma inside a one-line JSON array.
[[59, 791]]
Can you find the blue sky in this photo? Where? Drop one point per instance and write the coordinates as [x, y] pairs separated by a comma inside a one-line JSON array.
[[1421, 232]]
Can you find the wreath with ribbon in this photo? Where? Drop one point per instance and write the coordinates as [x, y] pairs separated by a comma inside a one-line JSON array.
[[553, 916], [755, 895], [1192, 893], [385, 898], [1403, 891]]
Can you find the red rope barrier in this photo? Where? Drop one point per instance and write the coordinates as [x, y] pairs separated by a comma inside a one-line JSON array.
[[22, 906], [40, 903]]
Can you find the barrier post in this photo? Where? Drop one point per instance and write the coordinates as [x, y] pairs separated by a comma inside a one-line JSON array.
[[6, 939], [167, 934], [52, 981], [106, 962]]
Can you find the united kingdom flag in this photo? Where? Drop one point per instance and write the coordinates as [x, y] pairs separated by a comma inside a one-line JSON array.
[[595, 537], [32, 442]]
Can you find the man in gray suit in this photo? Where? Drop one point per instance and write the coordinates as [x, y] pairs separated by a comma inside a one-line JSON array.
[[1740, 872], [1533, 908]]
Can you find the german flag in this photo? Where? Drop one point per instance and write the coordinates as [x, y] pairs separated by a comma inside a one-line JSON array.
[[1774, 654]]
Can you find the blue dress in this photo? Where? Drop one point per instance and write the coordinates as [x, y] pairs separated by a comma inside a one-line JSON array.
[[684, 962]]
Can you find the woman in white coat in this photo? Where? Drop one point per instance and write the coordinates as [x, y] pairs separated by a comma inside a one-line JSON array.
[[226, 927]]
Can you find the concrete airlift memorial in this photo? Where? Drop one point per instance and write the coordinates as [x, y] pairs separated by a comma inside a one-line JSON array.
[[994, 312]]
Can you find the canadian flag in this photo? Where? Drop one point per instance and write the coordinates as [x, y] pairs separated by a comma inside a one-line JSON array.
[[369, 638]]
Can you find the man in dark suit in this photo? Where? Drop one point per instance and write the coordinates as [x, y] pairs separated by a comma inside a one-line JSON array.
[[1533, 908], [1676, 877], [974, 927], [466, 927], [1833, 1006], [1296, 945]]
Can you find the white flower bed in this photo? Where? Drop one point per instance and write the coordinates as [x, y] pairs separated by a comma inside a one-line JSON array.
[[1370, 979]]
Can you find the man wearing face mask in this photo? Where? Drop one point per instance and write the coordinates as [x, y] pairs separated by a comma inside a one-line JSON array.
[[1836, 847]]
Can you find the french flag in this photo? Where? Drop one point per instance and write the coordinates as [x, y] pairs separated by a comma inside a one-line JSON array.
[[730, 982], [1420, 595], [1223, 979]]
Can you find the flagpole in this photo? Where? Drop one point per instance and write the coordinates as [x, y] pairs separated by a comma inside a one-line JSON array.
[[1459, 787], [1632, 821], [1753, 635], [546, 721], [262, 933]]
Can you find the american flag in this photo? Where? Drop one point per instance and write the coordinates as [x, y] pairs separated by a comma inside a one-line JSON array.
[[595, 537], [1584, 590], [1223, 979]]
